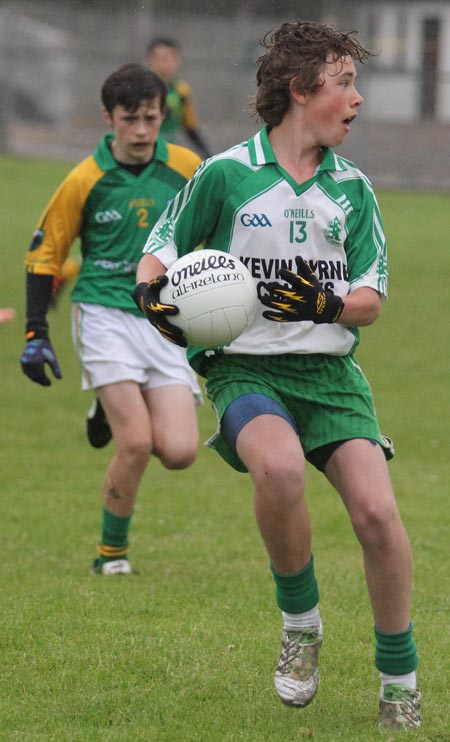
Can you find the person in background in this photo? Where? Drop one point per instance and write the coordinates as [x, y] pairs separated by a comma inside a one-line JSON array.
[[143, 384], [163, 56], [306, 222]]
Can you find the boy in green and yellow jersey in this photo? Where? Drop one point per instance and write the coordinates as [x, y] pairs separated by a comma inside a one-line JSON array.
[[145, 386]]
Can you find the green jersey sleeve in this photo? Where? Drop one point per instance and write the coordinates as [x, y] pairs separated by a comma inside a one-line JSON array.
[[192, 217], [366, 242]]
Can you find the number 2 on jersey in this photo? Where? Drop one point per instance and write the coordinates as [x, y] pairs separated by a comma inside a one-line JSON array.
[[143, 217]]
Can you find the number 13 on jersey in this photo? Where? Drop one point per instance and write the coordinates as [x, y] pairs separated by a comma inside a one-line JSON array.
[[297, 231]]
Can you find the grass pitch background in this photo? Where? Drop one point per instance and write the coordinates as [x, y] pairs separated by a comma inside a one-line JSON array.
[[187, 649]]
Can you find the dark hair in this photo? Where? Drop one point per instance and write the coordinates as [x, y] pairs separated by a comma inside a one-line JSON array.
[[130, 85], [163, 41], [298, 51]]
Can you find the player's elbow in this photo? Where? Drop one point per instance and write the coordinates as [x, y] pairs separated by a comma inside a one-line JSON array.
[[372, 315], [372, 309], [374, 306]]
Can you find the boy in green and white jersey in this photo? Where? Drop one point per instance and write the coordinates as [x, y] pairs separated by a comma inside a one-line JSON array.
[[253, 211], [145, 386], [307, 225]]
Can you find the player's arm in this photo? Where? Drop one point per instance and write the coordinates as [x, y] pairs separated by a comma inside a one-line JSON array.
[[185, 223], [149, 267], [56, 230], [361, 307], [38, 296], [151, 278], [190, 120], [367, 263], [365, 247], [302, 298], [38, 349]]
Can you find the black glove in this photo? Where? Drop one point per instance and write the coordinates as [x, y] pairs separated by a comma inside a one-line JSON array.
[[146, 296], [38, 352], [306, 300]]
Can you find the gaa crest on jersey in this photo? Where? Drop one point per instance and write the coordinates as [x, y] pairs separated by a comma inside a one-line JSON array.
[[110, 215], [38, 239], [255, 220], [333, 232]]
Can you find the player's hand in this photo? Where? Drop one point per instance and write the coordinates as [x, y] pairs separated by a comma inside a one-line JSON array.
[[146, 296], [37, 353], [304, 299]]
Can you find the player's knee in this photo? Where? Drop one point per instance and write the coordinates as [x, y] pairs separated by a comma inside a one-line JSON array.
[[178, 454], [135, 451], [178, 459], [375, 527], [281, 476]]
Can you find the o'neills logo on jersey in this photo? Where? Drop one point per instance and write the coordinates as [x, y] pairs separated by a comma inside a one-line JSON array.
[[255, 220], [205, 272], [111, 215]]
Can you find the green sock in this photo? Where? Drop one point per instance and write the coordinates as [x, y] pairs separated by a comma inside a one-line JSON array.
[[114, 543], [395, 654], [296, 593]]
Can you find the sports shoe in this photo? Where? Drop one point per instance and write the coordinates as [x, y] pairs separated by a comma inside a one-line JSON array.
[[400, 707], [114, 567], [97, 426], [388, 447], [297, 675]]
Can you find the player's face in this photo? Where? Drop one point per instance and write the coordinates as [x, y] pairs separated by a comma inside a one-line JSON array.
[[135, 131], [165, 61], [332, 109]]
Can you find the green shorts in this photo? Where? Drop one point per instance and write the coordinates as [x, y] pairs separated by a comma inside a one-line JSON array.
[[328, 397]]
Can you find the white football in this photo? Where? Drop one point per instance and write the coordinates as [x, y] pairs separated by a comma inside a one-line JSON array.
[[215, 294]]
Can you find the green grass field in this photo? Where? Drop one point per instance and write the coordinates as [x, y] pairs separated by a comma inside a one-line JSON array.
[[186, 649]]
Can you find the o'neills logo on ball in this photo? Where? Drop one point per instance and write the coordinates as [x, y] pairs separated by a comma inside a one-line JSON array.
[[214, 269], [201, 265]]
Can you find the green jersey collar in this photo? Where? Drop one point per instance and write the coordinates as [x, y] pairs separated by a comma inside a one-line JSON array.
[[331, 161], [260, 149], [105, 160], [261, 153]]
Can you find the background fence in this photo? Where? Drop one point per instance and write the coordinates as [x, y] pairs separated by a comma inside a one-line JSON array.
[[54, 57]]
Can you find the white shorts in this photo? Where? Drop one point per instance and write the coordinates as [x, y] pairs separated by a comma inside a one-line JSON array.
[[114, 346]]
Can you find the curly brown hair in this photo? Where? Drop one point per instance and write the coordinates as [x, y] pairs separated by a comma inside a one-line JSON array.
[[298, 50]]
